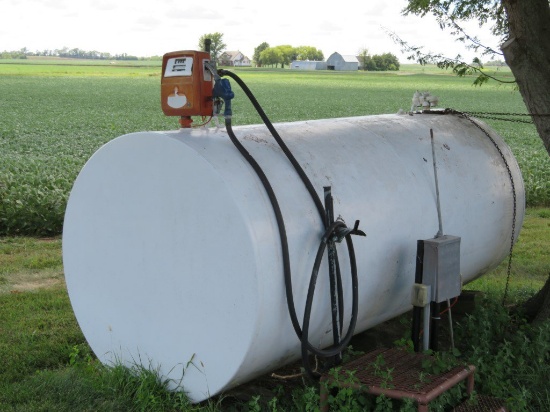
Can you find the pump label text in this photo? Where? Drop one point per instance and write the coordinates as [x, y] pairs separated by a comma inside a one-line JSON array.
[[179, 67]]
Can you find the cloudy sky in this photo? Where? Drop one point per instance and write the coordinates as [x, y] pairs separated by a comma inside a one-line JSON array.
[[146, 27]]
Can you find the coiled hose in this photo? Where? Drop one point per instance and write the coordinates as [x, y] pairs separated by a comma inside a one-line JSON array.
[[334, 231]]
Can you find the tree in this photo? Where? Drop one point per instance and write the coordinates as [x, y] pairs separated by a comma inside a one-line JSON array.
[[524, 27], [217, 46], [363, 56], [383, 62], [258, 51], [308, 53], [378, 62], [287, 54], [390, 61], [283, 54], [270, 56]]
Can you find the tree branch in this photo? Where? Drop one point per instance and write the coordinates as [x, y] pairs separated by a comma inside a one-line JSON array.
[[476, 44], [458, 66]]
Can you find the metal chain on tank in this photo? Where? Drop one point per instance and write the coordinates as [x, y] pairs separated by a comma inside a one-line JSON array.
[[506, 117], [467, 115]]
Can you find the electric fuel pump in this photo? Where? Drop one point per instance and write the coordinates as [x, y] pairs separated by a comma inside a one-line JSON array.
[[186, 85]]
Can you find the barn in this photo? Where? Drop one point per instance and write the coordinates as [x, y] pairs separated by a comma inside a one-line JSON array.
[[337, 61], [308, 65]]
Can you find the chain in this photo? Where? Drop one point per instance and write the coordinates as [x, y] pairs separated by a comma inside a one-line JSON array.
[[496, 116], [510, 254]]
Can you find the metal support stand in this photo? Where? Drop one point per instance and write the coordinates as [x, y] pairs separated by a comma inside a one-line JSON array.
[[417, 310]]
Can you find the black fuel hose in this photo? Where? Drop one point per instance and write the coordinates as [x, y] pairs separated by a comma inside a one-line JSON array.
[[332, 231], [307, 183], [336, 230], [280, 142], [337, 348]]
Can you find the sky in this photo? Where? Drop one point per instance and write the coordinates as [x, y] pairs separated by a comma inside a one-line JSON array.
[[154, 27]]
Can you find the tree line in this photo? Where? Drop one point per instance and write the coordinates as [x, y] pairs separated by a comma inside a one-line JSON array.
[[65, 52], [264, 55], [284, 55]]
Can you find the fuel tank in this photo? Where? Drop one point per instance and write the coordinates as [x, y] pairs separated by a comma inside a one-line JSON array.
[[172, 253]]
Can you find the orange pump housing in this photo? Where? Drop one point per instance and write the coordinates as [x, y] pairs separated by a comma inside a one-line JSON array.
[[186, 84]]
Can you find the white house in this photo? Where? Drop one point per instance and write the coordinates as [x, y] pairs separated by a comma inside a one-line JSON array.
[[234, 58], [337, 61]]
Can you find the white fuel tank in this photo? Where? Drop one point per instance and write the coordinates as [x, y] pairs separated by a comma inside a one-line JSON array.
[[172, 254]]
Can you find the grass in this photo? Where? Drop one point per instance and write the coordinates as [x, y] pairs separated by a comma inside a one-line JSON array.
[[38, 330], [55, 116], [49, 366], [530, 263], [27, 264]]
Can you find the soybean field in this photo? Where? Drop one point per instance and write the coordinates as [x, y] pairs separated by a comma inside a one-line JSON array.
[[55, 115]]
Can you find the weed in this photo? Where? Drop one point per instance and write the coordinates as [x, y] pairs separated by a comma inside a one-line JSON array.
[[350, 353], [272, 405], [305, 399], [439, 362], [405, 343], [382, 372], [383, 403], [254, 404], [512, 357]]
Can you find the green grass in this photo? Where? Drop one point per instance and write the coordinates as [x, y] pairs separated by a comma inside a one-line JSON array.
[[530, 262], [48, 365], [86, 385], [37, 332]]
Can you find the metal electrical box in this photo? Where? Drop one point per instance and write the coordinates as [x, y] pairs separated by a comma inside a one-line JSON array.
[[442, 267]]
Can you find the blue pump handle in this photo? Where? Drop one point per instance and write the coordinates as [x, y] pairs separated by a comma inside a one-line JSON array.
[[222, 88]]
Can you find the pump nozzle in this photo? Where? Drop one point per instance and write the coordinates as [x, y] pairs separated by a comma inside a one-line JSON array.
[[222, 89]]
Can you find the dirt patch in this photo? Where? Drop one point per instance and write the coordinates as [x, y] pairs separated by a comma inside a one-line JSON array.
[[27, 282], [39, 284]]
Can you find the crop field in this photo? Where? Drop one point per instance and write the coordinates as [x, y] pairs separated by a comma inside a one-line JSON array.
[[55, 116]]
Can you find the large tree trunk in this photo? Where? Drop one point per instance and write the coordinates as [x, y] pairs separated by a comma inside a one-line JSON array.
[[527, 52], [538, 307]]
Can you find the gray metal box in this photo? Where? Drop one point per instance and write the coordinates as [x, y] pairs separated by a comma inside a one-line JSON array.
[[441, 267]]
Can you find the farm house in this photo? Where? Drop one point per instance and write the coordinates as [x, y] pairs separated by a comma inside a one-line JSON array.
[[338, 61], [308, 65], [235, 59]]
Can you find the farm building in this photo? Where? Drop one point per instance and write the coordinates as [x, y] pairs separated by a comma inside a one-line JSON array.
[[234, 58], [308, 65], [337, 61]]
